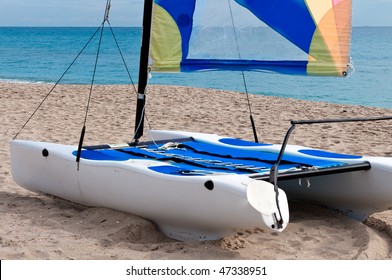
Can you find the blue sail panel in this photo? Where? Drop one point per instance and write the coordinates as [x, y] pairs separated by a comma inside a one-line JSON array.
[[295, 37], [182, 13], [289, 18], [282, 67]]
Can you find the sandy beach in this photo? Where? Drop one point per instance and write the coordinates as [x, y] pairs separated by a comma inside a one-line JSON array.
[[43, 227]]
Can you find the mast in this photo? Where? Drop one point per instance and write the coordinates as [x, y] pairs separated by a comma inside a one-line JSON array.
[[143, 70]]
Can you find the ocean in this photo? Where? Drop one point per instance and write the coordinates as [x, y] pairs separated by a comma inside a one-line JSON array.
[[42, 54]]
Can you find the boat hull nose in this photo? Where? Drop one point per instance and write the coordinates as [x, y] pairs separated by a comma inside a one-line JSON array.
[[35, 166]]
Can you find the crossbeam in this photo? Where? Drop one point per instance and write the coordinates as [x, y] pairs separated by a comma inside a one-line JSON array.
[[307, 173]]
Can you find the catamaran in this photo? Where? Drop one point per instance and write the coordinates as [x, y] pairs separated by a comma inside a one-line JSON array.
[[197, 186]]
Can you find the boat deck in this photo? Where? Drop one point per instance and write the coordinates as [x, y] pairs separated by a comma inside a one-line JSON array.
[[187, 157]]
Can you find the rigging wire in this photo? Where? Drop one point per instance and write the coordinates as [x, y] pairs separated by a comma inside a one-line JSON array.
[[243, 76], [57, 82], [106, 19], [140, 122], [122, 56], [81, 139], [100, 28], [279, 221]]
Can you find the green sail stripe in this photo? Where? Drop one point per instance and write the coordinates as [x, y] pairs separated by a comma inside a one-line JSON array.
[[166, 50]]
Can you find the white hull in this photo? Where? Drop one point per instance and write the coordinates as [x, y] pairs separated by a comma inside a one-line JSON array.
[[182, 207], [185, 207], [357, 194]]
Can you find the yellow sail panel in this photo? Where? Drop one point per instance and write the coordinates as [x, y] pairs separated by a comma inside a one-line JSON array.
[[343, 23], [331, 42], [165, 50], [318, 9], [321, 61]]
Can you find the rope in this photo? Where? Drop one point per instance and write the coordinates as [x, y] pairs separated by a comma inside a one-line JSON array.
[[55, 85], [81, 139], [101, 27], [94, 73], [122, 56], [141, 121], [243, 76]]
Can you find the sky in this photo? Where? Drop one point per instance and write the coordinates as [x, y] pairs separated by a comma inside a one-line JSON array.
[[129, 12]]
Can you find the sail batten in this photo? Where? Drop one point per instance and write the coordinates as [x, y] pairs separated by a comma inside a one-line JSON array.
[[310, 37]]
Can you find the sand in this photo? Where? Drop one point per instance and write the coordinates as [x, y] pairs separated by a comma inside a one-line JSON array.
[[43, 227]]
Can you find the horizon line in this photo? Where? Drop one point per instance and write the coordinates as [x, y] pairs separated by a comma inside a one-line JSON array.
[[91, 26]]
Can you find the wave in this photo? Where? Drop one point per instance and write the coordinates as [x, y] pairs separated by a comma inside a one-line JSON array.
[[19, 81]]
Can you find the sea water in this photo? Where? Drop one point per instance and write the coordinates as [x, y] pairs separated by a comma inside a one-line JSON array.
[[42, 54]]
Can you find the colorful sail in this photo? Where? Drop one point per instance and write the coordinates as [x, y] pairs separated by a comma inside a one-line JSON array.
[[297, 37]]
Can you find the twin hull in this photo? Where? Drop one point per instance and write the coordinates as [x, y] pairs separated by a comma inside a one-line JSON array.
[[184, 208], [202, 206]]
